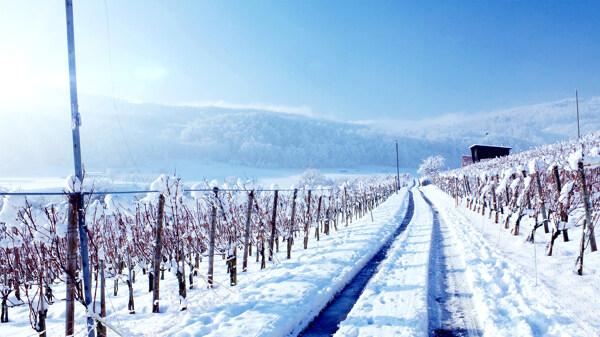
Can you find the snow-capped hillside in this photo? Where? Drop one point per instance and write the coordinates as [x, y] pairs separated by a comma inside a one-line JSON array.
[[519, 127], [175, 134], [170, 135]]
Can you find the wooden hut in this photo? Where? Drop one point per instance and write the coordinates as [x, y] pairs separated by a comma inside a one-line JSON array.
[[480, 152]]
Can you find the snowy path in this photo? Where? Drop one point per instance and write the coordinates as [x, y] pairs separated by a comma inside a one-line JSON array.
[[451, 311], [394, 302], [337, 310], [465, 283], [283, 299], [500, 270]]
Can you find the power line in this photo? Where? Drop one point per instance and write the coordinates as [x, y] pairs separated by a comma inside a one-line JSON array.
[[112, 85], [156, 191]]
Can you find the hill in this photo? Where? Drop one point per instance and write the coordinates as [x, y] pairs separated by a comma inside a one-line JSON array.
[[40, 140]]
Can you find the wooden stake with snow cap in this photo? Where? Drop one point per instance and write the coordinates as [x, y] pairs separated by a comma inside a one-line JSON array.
[[247, 233], [318, 217], [586, 206], [158, 252], [71, 266], [290, 238], [100, 328], [346, 206], [211, 242], [520, 206], [130, 304], [543, 205], [181, 275], [456, 191], [307, 221], [560, 213], [563, 216], [5, 292], [273, 226], [494, 205]]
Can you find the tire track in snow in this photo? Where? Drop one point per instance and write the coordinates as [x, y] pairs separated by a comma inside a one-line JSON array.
[[394, 302], [327, 322], [509, 302], [450, 307]]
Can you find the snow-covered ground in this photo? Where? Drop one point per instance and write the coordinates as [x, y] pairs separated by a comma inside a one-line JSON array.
[[508, 298], [519, 290], [279, 300], [394, 303], [513, 287], [449, 294]]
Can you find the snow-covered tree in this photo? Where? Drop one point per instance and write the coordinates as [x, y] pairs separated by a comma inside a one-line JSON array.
[[312, 178], [431, 165]]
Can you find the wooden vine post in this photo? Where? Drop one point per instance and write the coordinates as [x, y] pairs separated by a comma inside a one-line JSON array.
[[71, 266], [498, 207], [247, 233], [181, 275], [456, 191], [346, 205], [370, 207], [42, 310], [193, 268], [560, 213], [588, 219], [290, 239], [308, 221], [158, 253], [211, 239], [586, 205], [5, 293], [273, 226], [478, 190], [521, 206], [327, 218], [318, 216], [563, 216], [483, 200], [100, 328], [494, 200], [544, 214], [262, 239], [130, 303]]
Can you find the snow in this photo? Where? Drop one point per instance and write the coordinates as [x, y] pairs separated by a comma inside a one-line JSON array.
[[10, 206], [394, 303], [73, 184], [514, 288], [283, 298], [518, 290], [276, 301], [575, 158], [536, 166]]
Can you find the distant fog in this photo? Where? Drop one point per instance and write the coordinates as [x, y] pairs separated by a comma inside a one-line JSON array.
[[38, 141]]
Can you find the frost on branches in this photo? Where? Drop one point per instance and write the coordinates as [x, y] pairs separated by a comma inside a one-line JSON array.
[[556, 186], [431, 165], [312, 178], [122, 234]]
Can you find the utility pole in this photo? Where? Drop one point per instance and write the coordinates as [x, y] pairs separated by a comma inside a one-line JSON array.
[[397, 168], [577, 104], [75, 123]]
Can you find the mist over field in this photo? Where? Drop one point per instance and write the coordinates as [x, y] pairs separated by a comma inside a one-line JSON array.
[[162, 137]]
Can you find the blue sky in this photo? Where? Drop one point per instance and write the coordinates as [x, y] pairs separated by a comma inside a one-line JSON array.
[[346, 60]]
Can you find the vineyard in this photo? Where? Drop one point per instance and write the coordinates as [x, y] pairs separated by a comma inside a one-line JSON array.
[[171, 230], [554, 189]]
